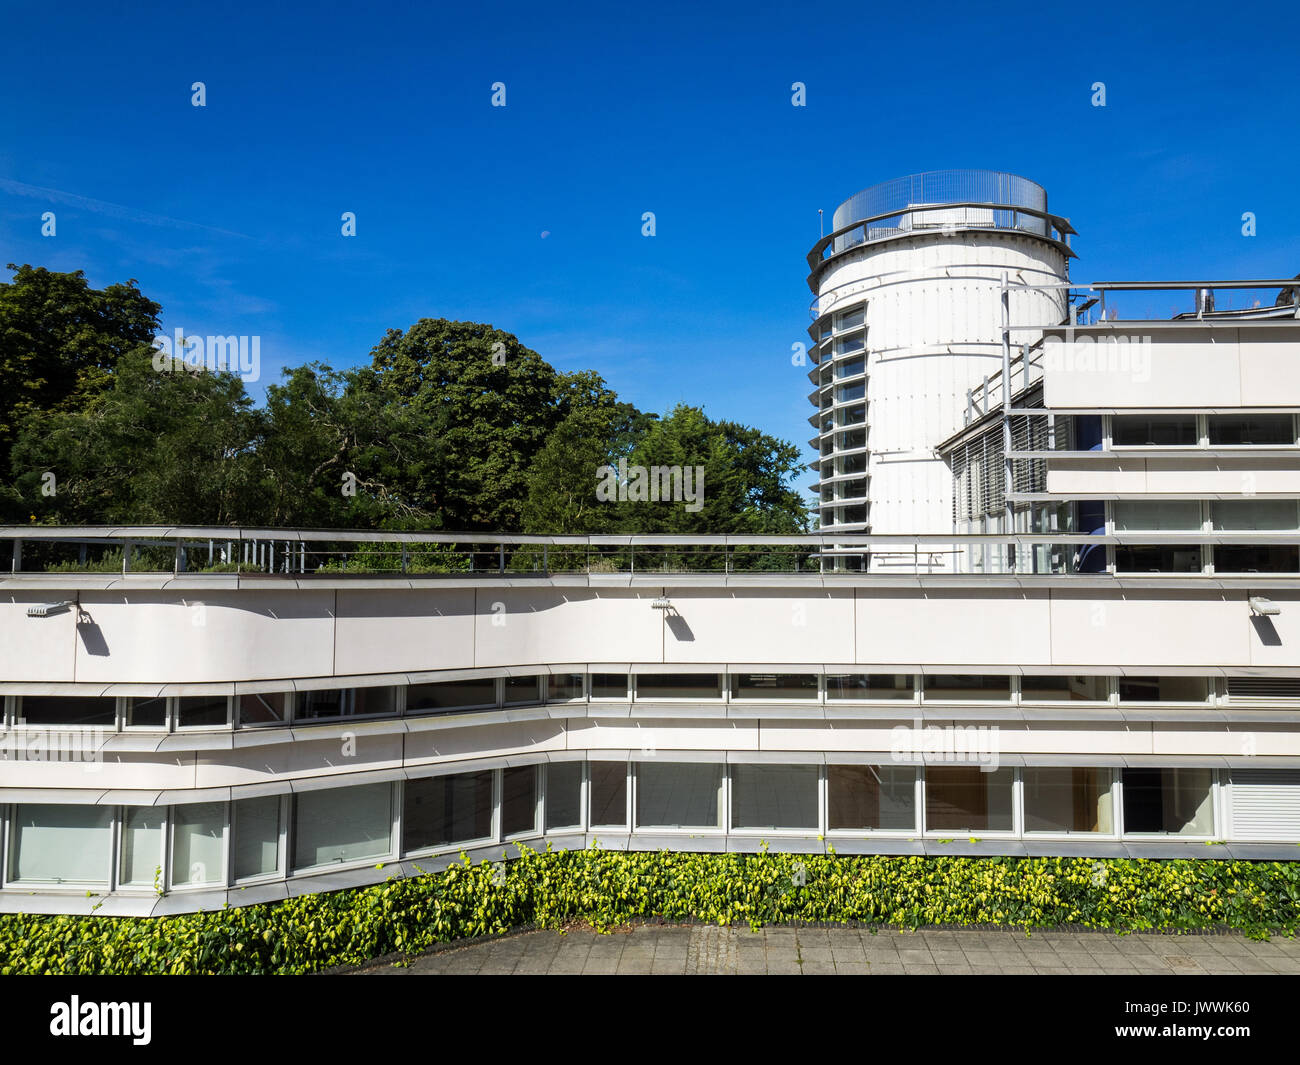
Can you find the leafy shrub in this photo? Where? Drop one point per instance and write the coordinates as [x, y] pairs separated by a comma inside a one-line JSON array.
[[610, 888]]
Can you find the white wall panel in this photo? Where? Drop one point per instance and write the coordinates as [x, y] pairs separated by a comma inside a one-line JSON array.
[[388, 631], [1145, 627], [547, 625], [150, 637], [36, 649], [954, 626]]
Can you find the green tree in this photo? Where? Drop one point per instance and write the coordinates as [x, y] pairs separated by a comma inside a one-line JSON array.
[[336, 454], [745, 475], [596, 430], [60, 341], [178, 446], [481, 405]]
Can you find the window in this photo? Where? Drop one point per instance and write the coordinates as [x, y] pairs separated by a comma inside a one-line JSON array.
[[964, 687], [775, 686], [774, 796], [608, 794], [520, 691], [679, 686], [852, 415], [61, 844], [345, 702], [563, 687], [1257, 558], [1168, 801], [143, 829], [851, 367], [518, 800], [442, 696], [1068, 800], [1157, 559], [848, 393], [869, 686], [319, 705], [966, 799], [871, 797], [850, 319], [202, 711], [343, 825], [609, 685], [1254, 515], [198, 844], [1153, 430], [677, 794], [257, 836], [1163, 689], [440, 811], [146, 713], [83, 710], [1157, 516], [563, 795], [264, 708], [1064, 689], [1227, 430], [368, 702]]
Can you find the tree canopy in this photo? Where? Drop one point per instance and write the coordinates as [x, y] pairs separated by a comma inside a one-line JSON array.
[[452, 426]]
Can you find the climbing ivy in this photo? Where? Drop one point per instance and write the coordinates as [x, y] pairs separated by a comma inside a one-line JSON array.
[[407, 915]]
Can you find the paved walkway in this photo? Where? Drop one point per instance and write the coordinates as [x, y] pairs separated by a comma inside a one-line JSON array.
[[706, 949]]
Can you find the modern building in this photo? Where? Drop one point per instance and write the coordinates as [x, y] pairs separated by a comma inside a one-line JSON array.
[[910, 314], [1088, 643]]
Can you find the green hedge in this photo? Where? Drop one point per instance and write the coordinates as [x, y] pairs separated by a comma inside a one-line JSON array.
[[609, 888]]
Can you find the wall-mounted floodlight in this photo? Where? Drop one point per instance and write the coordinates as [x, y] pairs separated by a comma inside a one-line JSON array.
[[1261, 607], [48, 610], [662, 603]]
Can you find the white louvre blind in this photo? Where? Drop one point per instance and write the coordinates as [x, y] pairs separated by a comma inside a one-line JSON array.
[[1266, 804]]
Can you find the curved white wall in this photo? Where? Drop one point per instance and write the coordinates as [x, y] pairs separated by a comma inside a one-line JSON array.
[[934, 331]]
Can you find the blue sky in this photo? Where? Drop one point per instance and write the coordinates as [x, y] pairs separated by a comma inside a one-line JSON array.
[[529, 216]]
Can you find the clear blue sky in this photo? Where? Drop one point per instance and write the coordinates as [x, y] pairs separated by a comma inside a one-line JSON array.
[[229, 215]]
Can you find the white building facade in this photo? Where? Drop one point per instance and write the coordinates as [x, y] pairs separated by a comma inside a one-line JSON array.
[[1094, 650]]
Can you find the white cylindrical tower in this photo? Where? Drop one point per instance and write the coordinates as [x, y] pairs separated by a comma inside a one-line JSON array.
[[907, 319]]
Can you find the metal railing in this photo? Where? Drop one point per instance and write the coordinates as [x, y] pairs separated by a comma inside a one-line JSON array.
[[314, 554]]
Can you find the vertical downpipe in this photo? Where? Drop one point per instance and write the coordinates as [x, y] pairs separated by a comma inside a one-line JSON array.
[[1008, 518]]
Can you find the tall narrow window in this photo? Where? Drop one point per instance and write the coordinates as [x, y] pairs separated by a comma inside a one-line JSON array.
[[142, 845], [257, 836], [518, 800], [563, 795], [608, 794], [198, 843]]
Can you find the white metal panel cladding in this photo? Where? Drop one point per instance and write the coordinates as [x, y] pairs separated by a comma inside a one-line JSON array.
[[933, 306], [1265, 804]]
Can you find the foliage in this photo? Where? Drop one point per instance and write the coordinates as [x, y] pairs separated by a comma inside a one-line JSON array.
[[154, 448], [449, 426], [612, 888], [60, 341]]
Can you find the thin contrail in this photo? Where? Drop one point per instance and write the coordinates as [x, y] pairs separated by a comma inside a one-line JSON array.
[[112, 210]]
